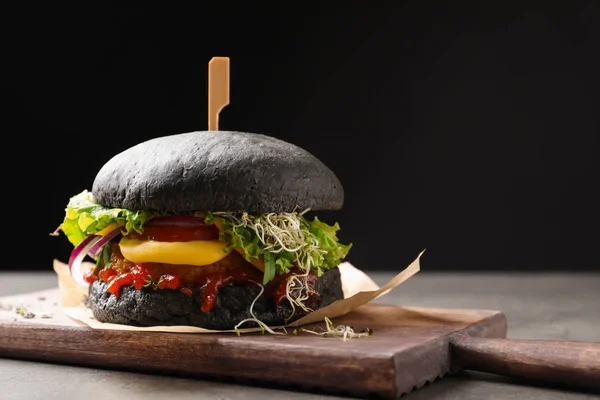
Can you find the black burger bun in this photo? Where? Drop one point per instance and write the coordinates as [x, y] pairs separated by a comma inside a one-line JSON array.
[[166, 307], [217, 171]]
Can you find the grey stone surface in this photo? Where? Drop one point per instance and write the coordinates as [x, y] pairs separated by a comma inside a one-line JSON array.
[[537, 306]]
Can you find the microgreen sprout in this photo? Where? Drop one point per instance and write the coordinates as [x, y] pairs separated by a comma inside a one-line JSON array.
[[346, 332], [263, 327], [278, 232], [148, 281], [284, 232], [297, 291], [21, 310]]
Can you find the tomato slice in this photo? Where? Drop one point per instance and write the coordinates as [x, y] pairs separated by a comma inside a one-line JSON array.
[[181, 221], [177, 234]]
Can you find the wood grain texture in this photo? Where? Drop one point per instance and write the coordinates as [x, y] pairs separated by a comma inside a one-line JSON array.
[[410, 346], [575, 364]]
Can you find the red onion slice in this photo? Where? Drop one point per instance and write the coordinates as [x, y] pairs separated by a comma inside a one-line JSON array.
[[77, 257], [96, 249], [79, 248], [183, 221]]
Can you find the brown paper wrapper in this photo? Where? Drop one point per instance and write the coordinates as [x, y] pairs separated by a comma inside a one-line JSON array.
[[357, 287]]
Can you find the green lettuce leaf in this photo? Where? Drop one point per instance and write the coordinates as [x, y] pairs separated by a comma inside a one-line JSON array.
[[329, 255], [270, 267], [328, 241], [84, 217]]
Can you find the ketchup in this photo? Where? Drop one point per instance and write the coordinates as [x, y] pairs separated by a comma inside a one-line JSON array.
[[119, 281], [232, 270], [277, 288], [106, 273], [89, 277], [168, 281], [141, 276], [211, 283]]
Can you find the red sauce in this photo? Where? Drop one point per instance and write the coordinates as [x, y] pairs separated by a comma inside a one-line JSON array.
[[211, 283], [89, 277], [277, 288], [105, 274], [141, 276], [119, 281], [168, 281], [232, 270]]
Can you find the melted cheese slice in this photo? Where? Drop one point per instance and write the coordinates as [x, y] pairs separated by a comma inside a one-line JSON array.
[[195, 252]]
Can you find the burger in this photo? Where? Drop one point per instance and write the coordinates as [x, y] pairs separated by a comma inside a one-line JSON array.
[[208, 229]]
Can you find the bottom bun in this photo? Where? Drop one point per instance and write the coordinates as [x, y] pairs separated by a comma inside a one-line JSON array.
[[148, 307]]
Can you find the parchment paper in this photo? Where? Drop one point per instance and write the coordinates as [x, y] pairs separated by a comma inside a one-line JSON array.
[[357, 287]]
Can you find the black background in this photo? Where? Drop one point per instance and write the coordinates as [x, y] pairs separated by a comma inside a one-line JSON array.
[[469, 131]]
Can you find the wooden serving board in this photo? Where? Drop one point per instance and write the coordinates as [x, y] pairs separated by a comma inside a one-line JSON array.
[[409, 347]]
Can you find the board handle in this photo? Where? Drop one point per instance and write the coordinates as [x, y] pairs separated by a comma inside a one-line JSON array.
[[575, 364]]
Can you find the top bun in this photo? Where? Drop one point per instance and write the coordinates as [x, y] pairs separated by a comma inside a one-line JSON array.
[[217, 171]]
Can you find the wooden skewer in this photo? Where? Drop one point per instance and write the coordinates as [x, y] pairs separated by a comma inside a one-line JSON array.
[[218, 89], [218, 97]]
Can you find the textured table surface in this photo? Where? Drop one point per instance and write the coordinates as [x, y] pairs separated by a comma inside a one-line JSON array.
[[537, 306]]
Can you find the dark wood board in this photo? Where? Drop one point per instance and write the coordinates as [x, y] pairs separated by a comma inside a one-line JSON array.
[[410, 346]]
